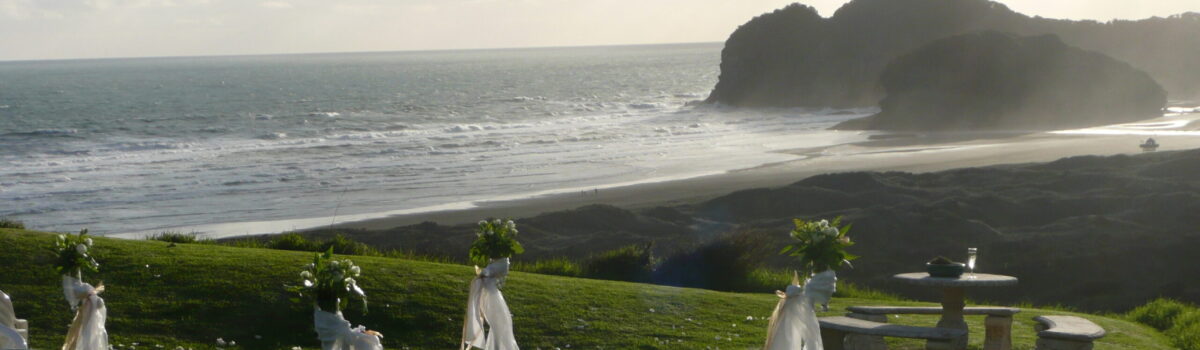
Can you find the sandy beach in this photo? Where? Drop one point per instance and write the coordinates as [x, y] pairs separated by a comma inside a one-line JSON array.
[[906, 153]]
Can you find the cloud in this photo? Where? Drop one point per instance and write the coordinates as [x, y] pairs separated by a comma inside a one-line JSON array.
[[26, 9], [276, 4]]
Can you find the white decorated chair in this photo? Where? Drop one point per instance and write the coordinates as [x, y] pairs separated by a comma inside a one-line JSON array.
[[11, 340], [14, 333], [9, 319]]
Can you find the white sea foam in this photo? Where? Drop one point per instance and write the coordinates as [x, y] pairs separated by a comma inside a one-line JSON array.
[[418, 140]]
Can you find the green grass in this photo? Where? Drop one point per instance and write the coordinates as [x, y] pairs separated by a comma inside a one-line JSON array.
[[191, 294]]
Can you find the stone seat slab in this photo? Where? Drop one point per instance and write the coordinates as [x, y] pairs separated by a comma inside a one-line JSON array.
[[1068, 328], [857, 326], [934, 310]]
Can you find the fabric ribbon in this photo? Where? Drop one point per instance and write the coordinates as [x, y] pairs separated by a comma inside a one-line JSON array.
[[87, 329], [335, 333], [820, 288], [794, 322], [485, 305]]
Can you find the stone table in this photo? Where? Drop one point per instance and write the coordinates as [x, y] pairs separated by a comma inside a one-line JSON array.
[[953, 298]]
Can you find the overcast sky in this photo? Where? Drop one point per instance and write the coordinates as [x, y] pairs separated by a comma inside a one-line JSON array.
[[52, 29]]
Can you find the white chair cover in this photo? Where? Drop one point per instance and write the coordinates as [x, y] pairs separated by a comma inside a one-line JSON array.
[[11, 340], [485, 305], [335, 333], [794, 323], [8, 318], [87, 329]]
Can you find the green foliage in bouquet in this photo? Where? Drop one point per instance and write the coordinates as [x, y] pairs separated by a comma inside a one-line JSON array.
[[330, 283], [72, 254], [495, 239], [821, 245]]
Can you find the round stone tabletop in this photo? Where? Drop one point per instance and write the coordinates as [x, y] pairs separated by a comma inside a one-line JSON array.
[[980, 280]]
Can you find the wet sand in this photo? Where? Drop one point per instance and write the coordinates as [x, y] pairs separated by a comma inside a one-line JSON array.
[[903, 153]]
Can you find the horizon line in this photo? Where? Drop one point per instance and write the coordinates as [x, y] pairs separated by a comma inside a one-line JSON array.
[[5, 61]]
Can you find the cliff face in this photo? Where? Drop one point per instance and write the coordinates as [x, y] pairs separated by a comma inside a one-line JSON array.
[[793, 57], [992, 80]]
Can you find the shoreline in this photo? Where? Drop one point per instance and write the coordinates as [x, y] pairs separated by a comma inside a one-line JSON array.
[[892, 152], [916, 155]]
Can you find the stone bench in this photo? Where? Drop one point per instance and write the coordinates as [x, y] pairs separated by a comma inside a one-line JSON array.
[[998, 323], [1066, 333], [834, 331]]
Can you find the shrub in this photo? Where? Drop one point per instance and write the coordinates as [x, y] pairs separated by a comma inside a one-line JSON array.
[[1159, 313], [726, 264], [292, 241], [630, 263], [340, 244], [557, 267], [178, 237], [1178, 320], [9, 223], [1185, 337], [1185, 332]]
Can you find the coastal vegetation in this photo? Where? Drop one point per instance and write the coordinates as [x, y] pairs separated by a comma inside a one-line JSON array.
[[191, 295], [1091, 220]]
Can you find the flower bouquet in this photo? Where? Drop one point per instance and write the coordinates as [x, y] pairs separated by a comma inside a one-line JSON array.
[[821, 245], [821, 249], [496, 239], [329, 284], [73, 254]]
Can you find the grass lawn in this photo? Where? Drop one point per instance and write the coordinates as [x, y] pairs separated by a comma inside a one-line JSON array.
[[189, 295]]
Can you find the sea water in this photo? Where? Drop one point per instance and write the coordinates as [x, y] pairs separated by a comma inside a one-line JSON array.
[[260, 144]]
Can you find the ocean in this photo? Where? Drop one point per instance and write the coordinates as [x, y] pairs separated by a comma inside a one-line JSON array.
[[259, 144]]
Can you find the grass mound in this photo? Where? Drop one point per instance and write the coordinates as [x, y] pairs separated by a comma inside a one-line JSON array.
[[188, 295]]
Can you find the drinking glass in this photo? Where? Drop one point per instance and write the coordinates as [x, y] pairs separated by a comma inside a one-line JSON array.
[[971, 261]]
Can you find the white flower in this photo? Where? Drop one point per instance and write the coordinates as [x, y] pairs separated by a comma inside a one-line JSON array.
[[306, 274], [355, 270], [830, 231], [334, 263], [823, 223], [88, 241], [350, 282], [220, 342], [82, 249], [308, 284], [482, 222], [497, 222]]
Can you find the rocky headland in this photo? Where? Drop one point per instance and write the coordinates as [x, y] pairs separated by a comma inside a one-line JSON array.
[[999, 81], [793, 57]]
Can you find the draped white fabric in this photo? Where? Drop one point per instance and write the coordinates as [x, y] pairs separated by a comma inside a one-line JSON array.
[[87, 329], [335, 333], [486, 305], [8, 318], [10, 339], [794, 323]]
